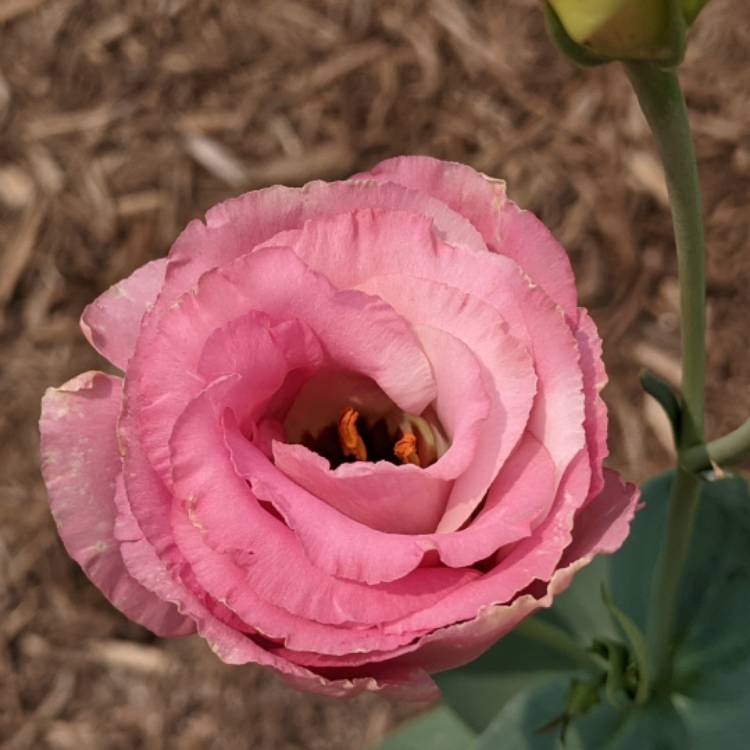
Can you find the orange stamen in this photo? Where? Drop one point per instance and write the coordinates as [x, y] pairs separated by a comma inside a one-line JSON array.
[[349, 438], [406, 449]]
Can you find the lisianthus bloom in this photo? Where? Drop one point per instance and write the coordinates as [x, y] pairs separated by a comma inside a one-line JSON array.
[[359, 435]]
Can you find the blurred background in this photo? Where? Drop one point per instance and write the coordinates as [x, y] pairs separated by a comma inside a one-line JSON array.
[[122, 120]]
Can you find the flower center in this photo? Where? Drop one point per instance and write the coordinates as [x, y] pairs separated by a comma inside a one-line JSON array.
[[397, 438], [353, 445], [346, 417]]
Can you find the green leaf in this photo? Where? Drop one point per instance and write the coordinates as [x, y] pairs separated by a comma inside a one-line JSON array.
[[662, 392], [440, 729], [711, 693], [516, 662], [637, 641], [715, 596], [656, 726], [713, 657], [523, 724], [520, 725]]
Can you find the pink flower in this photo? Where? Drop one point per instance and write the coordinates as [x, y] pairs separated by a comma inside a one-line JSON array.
[[359, 435]]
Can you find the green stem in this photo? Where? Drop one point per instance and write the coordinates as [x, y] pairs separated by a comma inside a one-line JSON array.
[[557, 639], [683, 503], [663, 104], [724, 451]]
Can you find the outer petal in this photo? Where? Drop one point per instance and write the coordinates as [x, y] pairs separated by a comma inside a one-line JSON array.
[[504, 227], [161, 573], [600, 529], [112, 321], [594, 379], [236, 226], [82, 467]]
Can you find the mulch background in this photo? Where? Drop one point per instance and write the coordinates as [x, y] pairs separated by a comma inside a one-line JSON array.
[[121, 120]]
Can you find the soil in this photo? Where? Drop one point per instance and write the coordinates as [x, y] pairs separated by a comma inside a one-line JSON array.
[[120, 121]]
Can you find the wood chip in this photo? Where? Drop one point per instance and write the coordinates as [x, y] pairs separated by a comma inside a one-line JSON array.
[[140, 203], [18, 251], [216, 158], [45, 126], [131, 656], [661, 363], [10, 9], [16, 187], [337, 66], [648, 175], [321, 162]]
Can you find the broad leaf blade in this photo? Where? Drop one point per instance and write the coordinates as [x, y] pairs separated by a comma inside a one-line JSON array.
[[440, 729], [477, 691], [712, 690], [715, 595], [528, 723]]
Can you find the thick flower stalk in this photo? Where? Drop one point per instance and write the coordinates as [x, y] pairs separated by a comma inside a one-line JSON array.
[[359, 435]]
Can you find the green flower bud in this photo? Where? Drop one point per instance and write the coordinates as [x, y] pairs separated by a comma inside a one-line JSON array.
[[602, 30]]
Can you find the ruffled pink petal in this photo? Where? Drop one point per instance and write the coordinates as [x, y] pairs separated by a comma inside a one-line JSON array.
[[275, 567], [594, 380], [518, 501], [504, 227], [359, 332], [599, 529], [112, 321], [236, 226], [557, 416], [222, 574], [259, 357], [406, 499], [393, 499], [533, 558], [520, 498], [81, 466], [331, 541], [235, 647], [531, 317], [161, 574], [350, 248], [252, 343], [507, 369]]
